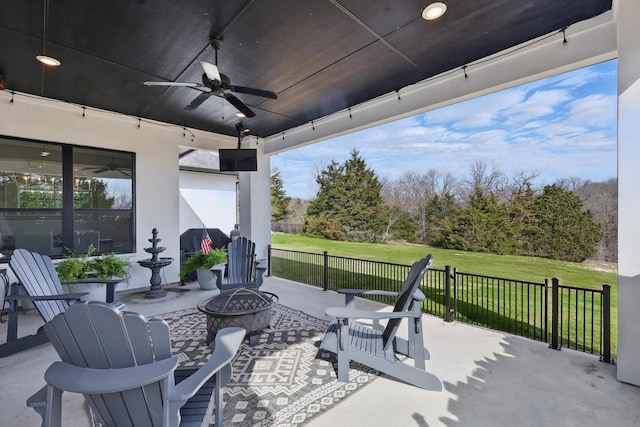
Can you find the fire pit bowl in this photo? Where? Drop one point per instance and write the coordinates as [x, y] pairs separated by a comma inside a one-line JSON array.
[[242, 307]]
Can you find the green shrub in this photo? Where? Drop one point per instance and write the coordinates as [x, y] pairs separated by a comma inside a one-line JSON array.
[[200, 260]]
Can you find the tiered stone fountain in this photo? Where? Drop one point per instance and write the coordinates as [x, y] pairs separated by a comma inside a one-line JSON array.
[[155, 264]]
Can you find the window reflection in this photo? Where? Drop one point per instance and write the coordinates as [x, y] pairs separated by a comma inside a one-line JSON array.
[[32, 209]]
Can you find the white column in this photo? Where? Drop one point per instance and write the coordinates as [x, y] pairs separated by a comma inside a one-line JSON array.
[[628, 191], [255, 202]]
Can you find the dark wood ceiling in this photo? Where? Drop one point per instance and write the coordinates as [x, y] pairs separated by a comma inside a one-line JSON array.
[[319, 56]]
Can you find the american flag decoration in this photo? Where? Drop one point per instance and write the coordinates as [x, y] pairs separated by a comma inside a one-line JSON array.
[[206, 243]]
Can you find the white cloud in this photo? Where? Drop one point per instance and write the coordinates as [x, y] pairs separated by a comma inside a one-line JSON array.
[[560, 127], [594, 110], [540, 104]]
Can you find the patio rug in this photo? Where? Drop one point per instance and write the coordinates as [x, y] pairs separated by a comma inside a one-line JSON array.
[[284, 380]]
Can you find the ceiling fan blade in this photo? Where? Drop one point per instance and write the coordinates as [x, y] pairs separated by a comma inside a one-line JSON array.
[[171, 84], [253, 91], [197, 101], [211, 71], [100, 170], [239, 105], [123, 172]]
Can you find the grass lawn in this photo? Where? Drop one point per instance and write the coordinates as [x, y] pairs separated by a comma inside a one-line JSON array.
[[584, 275], [508, 266]]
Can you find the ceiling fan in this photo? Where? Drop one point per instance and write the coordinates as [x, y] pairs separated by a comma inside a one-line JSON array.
[[218, 84], [111, 166]]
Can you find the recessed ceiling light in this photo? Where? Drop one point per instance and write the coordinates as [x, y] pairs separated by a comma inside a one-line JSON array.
[[239, 114], [48, 60], [434, 11]]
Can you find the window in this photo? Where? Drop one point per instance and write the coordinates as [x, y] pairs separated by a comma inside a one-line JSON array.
[[57, 199]]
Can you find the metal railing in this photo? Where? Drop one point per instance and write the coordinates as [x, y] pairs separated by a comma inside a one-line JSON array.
[[576, 318]]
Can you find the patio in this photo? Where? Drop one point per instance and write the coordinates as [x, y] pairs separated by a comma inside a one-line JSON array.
[[489, 378]]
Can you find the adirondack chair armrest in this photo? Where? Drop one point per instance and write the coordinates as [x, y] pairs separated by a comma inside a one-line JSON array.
[[227, 343], [99, 381], [349, 313], [261, 268], [67, 297], [90, 280], [350, 295], [346, 291]]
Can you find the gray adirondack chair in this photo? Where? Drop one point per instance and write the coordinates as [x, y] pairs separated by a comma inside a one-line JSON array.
[[122, 364], [376, 347], [39, 279], [242, 268]]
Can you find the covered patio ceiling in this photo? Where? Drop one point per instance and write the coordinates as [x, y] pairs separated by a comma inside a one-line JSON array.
[[319, 57]]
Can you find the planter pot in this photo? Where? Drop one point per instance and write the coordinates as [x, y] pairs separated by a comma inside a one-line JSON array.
[[210, 279], [97, 291]]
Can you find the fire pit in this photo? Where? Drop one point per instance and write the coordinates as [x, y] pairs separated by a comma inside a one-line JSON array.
[[242, 307]]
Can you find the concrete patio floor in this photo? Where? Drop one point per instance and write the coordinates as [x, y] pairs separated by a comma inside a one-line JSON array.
[[489, 378]]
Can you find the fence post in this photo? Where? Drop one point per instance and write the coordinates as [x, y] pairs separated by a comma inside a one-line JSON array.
[[545, 304], [325, 271], [554, 313], [606, 323], [455, 293], [268, 260], [447, 293]]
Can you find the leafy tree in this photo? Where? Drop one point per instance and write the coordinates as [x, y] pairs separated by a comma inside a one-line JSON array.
[[523, 219], [438, 212], [404, 228], [482, 226], [96, 197], [564, 231], [349, 195], [279, 200]]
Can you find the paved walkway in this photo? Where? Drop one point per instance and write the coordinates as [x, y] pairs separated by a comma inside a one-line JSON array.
[[490, 378]]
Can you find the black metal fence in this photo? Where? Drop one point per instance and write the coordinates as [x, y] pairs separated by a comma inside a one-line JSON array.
[[573, 317]]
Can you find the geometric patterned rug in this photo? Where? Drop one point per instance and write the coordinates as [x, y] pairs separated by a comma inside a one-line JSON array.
[[284, 380]]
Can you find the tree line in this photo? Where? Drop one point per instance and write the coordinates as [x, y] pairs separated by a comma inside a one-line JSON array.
[[486, 211]]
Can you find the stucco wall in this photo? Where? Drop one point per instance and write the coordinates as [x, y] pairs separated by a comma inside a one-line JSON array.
[[156, 148]]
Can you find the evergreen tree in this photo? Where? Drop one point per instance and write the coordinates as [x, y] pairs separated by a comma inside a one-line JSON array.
[[404, 227], [349, 197], [483, 226], [279, 200], [564, 231]]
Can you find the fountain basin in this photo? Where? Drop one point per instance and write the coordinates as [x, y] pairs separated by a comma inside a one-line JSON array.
[[155, 263]]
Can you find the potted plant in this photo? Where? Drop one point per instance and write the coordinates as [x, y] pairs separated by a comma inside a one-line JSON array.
[[203, 264], [78, 267]]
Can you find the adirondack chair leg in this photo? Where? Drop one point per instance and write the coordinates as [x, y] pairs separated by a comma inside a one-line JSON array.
[[14, 344], [24, 343], [218, 400], [343, 350], [39, 402], [415, 333], [53, 413], [12, 327], [418, 345]]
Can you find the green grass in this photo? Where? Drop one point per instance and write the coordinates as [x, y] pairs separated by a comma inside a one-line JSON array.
[[512, 267]]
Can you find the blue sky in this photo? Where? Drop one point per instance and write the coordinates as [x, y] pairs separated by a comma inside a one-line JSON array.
[[560, 127]]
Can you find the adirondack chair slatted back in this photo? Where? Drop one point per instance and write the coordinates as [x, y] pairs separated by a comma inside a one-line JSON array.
[[241, 255], [95, 335], [39, 278], [405, 299]]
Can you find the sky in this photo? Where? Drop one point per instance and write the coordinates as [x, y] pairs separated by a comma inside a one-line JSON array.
[[559, 127]]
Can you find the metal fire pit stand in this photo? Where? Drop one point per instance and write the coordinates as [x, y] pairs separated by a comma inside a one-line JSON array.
[[242, 307]]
